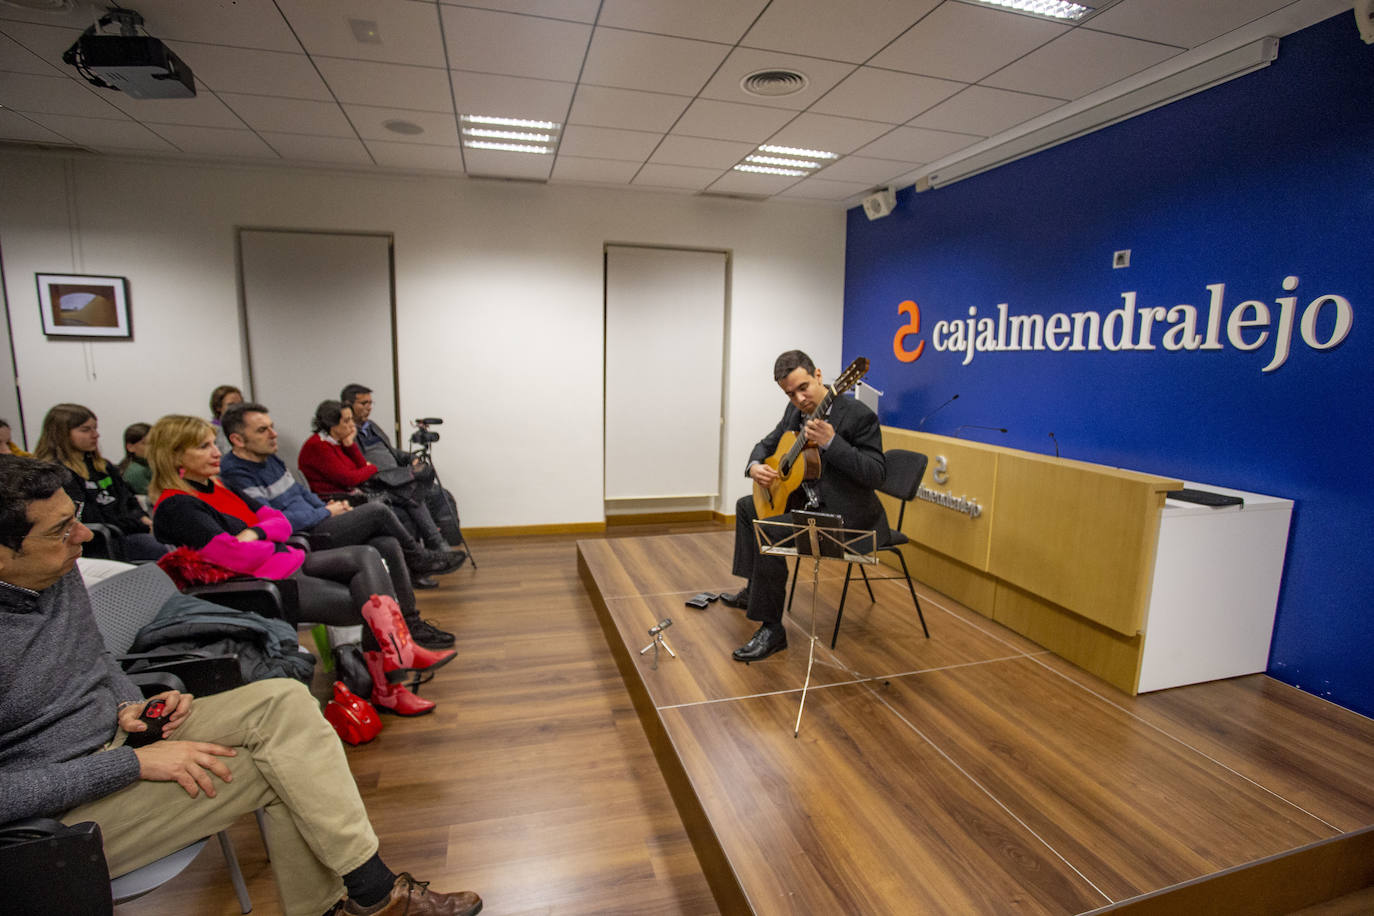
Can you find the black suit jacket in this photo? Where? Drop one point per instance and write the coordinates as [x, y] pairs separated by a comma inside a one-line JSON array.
[[852, 466]]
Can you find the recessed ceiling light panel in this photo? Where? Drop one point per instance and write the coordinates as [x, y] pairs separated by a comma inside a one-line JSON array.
[[1061, 10], [511, 135]]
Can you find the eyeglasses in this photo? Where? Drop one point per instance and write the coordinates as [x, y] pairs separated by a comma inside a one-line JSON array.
[[65, 533]]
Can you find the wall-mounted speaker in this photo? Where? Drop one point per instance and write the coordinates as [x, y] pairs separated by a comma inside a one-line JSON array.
[[880, 203]]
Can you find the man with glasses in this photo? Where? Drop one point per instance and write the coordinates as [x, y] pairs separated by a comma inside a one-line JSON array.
[[66, 710]]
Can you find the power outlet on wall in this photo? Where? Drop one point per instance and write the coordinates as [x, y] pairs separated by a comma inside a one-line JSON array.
[[1121, 258]]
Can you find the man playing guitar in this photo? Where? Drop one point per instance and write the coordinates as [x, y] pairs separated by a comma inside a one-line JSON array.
[[850, 445]]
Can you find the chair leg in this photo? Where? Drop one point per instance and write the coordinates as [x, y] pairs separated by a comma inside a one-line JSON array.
[[919, 613], [235, 873], [262, 830], [844, 593], [796, 569], [863, 572]]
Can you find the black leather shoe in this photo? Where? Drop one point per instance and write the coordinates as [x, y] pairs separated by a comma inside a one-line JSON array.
[[420, 583], [739, 599], [428, 635], [762, 644]]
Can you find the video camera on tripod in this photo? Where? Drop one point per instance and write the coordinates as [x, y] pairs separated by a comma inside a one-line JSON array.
[[424, 437]]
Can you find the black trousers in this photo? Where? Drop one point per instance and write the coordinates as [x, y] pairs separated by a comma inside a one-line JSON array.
[[334, 585], [767, 575], [375, 524]]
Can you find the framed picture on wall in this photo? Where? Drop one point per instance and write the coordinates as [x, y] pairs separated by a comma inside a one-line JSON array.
[[82, 305]]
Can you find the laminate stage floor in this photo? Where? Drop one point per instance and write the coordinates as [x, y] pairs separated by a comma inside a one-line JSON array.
[[971, 772]]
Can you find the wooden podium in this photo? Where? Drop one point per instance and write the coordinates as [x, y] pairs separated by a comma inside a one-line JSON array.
[[1095, 564]]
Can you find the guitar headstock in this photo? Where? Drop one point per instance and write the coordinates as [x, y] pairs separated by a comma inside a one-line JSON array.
[[851, 375]]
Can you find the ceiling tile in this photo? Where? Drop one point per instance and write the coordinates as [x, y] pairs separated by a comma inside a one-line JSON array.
[[14, 126], [917, 145], [607, 143], [828, 132], [54, 95], [821, 76], [511, 96], [241, 23], [214, 141], [634, 60], [440, 128], [205, 110], [885, 95], [294, 116], [254, 72], [408, 32], [821, 189], [676, 176], [387, 85], [492, 42], [709, 20], [606, 171], [854, 30], [716, 154], [47, 42], [959, 41], [751, 183], [100, 133], [865, 171], [985, 111], [1185, 23], [1078, 63], [348, 150], [16, 58], [416, 156], [575, 10], [494, 164], [604, 107], [729, 121]]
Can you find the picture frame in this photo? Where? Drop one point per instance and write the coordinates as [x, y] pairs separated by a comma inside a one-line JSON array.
[[84, 306]]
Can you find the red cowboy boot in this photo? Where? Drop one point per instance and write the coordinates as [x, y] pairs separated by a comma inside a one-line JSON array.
[[395, 698], [384, 616]]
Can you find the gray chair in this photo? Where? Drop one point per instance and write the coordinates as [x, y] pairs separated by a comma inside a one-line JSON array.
[[122, 605]]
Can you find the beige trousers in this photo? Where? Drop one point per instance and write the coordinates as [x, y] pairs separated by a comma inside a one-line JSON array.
[[289, 762]]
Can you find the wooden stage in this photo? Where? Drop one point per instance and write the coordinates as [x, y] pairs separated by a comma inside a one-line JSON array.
[[971, 772]]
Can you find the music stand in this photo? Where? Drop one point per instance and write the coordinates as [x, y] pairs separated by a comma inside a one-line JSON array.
[[821, 536]]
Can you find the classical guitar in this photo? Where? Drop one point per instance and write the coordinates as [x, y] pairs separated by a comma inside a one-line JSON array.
[[772, 500]]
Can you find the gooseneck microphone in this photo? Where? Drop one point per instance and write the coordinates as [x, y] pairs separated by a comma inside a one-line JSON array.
[[996, 429], [936, 410], [1056, 445]]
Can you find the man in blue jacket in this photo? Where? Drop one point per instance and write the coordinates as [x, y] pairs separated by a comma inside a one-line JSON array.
[[253, 469]]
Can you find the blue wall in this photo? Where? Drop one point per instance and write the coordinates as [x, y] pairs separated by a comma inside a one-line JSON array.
[[1267, 177]]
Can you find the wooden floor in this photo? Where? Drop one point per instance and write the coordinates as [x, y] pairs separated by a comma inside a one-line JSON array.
[[1033, 787], [970, 772]]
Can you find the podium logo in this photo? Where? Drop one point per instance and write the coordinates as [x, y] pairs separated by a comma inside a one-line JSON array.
[[1252, 325]]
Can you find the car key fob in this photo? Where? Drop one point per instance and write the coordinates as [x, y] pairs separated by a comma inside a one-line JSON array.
[[155, 715]]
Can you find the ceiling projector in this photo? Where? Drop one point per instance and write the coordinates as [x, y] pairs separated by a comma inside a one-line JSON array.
[[140, 66]]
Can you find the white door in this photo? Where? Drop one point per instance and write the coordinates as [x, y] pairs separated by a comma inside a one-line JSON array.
[[318, 314], [665, 351]]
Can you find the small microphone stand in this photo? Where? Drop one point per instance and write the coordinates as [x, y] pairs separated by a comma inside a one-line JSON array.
[[658, 641]]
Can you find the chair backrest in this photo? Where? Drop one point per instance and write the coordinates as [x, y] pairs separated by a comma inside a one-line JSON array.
[[125, 603], [904, 472]]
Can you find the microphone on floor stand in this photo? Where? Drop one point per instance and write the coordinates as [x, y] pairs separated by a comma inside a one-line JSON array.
[[936, 410]]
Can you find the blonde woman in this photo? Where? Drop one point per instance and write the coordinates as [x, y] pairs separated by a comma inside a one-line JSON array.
[[71, 437], [344, 586]]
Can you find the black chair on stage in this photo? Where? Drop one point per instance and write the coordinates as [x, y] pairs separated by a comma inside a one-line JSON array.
[[905, 469]]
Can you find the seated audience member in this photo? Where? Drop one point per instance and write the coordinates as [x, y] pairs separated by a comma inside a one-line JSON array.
[[71, 437], [377, 448], [193, 509], [7, 444], [67, 709], [332, 462], [134, 467], [253, 470], [221, 399]]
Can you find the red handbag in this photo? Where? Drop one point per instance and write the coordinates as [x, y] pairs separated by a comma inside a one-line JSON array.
[[352, 717]]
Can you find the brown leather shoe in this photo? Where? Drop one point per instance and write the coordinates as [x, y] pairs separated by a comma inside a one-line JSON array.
[[413, 898]]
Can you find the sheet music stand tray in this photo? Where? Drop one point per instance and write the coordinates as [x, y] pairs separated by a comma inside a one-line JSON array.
[[814, 537]]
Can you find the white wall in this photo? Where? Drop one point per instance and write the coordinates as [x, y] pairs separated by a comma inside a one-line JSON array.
[[499, 301]]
